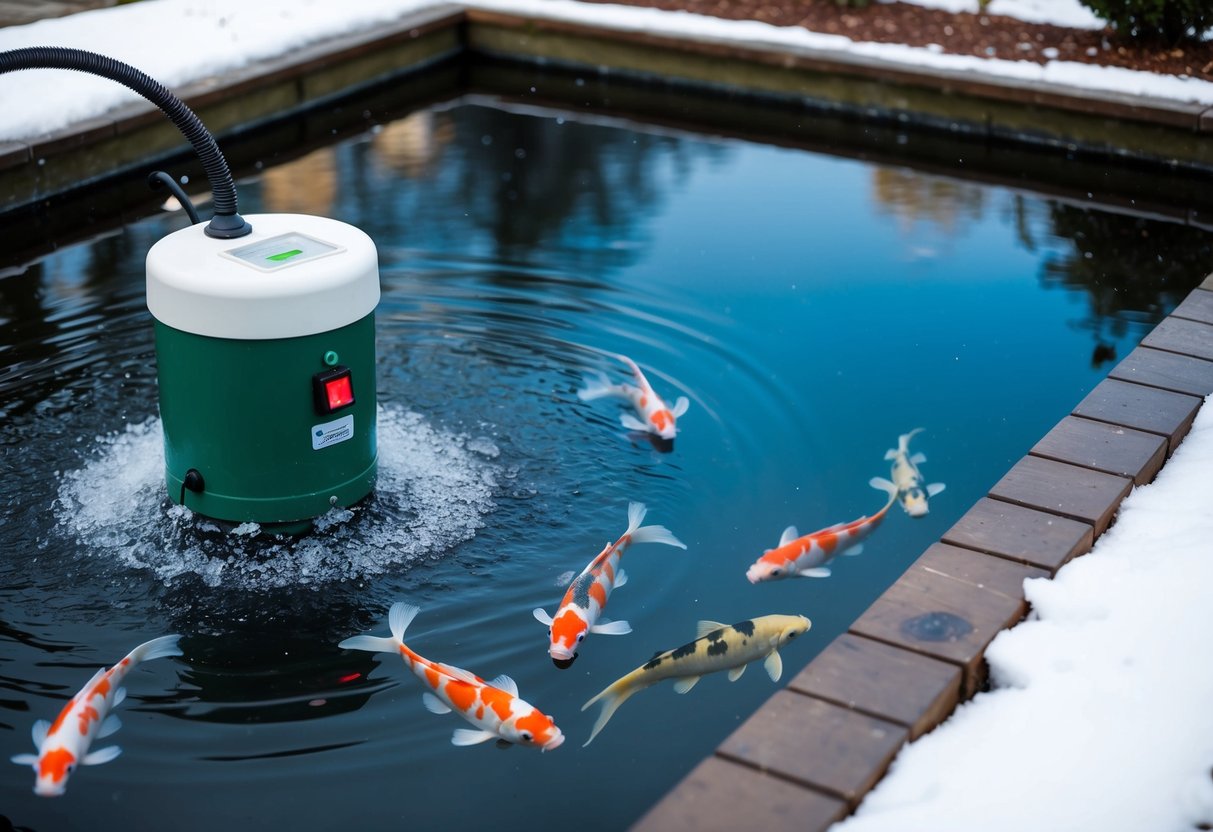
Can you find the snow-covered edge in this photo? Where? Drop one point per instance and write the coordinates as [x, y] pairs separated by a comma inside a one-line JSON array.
[[225, 35]]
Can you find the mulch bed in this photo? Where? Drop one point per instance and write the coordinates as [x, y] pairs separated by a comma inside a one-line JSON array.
[[983, 35]]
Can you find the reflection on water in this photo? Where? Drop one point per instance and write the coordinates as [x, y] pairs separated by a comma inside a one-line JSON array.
[[811, 308]]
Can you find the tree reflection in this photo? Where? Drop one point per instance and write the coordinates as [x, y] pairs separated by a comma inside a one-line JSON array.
[[1134, 270]]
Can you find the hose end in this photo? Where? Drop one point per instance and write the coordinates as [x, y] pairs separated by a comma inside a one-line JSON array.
[[227, 227]]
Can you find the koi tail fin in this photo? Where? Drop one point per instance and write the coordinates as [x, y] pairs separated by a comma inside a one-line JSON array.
[[648, 534], [656, 534], [903, 441], [157, 648], [611, 697], [597, 387], [399, 617]]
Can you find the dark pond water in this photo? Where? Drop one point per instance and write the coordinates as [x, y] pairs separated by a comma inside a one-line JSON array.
[[811, 308]]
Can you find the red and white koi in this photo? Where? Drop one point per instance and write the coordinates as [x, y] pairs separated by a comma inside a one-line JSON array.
[[907, 485], [656, 416], [493, 707], [63, 744], [806, 556], [586, 598]]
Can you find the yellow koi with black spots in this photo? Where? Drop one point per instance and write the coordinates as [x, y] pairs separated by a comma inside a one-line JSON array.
[[718, 647]]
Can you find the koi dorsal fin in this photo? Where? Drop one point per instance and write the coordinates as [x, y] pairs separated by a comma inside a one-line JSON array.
[[789, 534], [506, 684], [705, 627], [458, 673]]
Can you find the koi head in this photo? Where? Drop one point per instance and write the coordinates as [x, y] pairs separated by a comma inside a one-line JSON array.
[[797, 625], [54, 767], [663, 423], [767, 568], [914, 500], [568, 630], [535, 729]]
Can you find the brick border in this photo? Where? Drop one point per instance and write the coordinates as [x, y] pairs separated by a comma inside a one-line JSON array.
[[918, 651]]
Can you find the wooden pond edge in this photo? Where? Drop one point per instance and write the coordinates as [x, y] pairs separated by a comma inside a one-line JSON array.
[[808, 756]]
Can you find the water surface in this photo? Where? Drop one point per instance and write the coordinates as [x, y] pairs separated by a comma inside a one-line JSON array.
[[812, 308]]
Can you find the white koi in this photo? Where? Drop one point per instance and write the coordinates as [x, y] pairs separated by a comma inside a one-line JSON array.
[[586, 598], [655, 416], [718, 647], [907, 485], [63, 744], [493, 707]]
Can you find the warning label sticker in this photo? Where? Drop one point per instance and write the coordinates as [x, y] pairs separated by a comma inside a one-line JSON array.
[[331, 433]]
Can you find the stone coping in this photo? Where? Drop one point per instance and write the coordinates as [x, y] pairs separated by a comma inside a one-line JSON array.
[[918, 651]]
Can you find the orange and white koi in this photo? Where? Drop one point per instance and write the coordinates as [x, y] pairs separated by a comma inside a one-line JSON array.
[[587, 595], [493, 707], [907, 485], [656, 416], [806, 556], [63, 744]]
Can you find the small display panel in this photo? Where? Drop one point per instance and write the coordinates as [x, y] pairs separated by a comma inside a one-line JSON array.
[[283, 250]]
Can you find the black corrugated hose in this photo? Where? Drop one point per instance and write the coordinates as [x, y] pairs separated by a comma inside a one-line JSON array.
[[226, 223]]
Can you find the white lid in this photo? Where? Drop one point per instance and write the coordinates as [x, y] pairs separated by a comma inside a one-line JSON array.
[[294, 275]]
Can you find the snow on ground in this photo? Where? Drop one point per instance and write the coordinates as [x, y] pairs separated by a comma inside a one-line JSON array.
[[1058, 12], [180, 41], [1101, 716]]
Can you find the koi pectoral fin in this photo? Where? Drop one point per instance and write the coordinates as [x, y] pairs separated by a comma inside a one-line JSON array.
[[612, 628], [109, 727], [935, 488], [100, 756], [736, 672], [684, 685], [39, 731], [466, 736], [541, 616], [434, 705], [815, 572], [632, 423], [30, 760], [774, 666]]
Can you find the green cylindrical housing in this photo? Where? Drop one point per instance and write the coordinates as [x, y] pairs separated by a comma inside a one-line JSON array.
[[266, 354], [242, 414]]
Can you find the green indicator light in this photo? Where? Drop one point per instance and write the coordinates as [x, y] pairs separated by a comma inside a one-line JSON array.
[[286, 255]]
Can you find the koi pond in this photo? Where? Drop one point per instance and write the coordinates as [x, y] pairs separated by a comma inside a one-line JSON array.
[[812, 308]]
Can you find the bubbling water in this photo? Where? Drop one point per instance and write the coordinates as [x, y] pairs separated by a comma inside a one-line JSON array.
[[434, 489]]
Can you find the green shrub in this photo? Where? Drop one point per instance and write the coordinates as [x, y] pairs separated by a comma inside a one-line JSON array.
[[1169, 20]]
